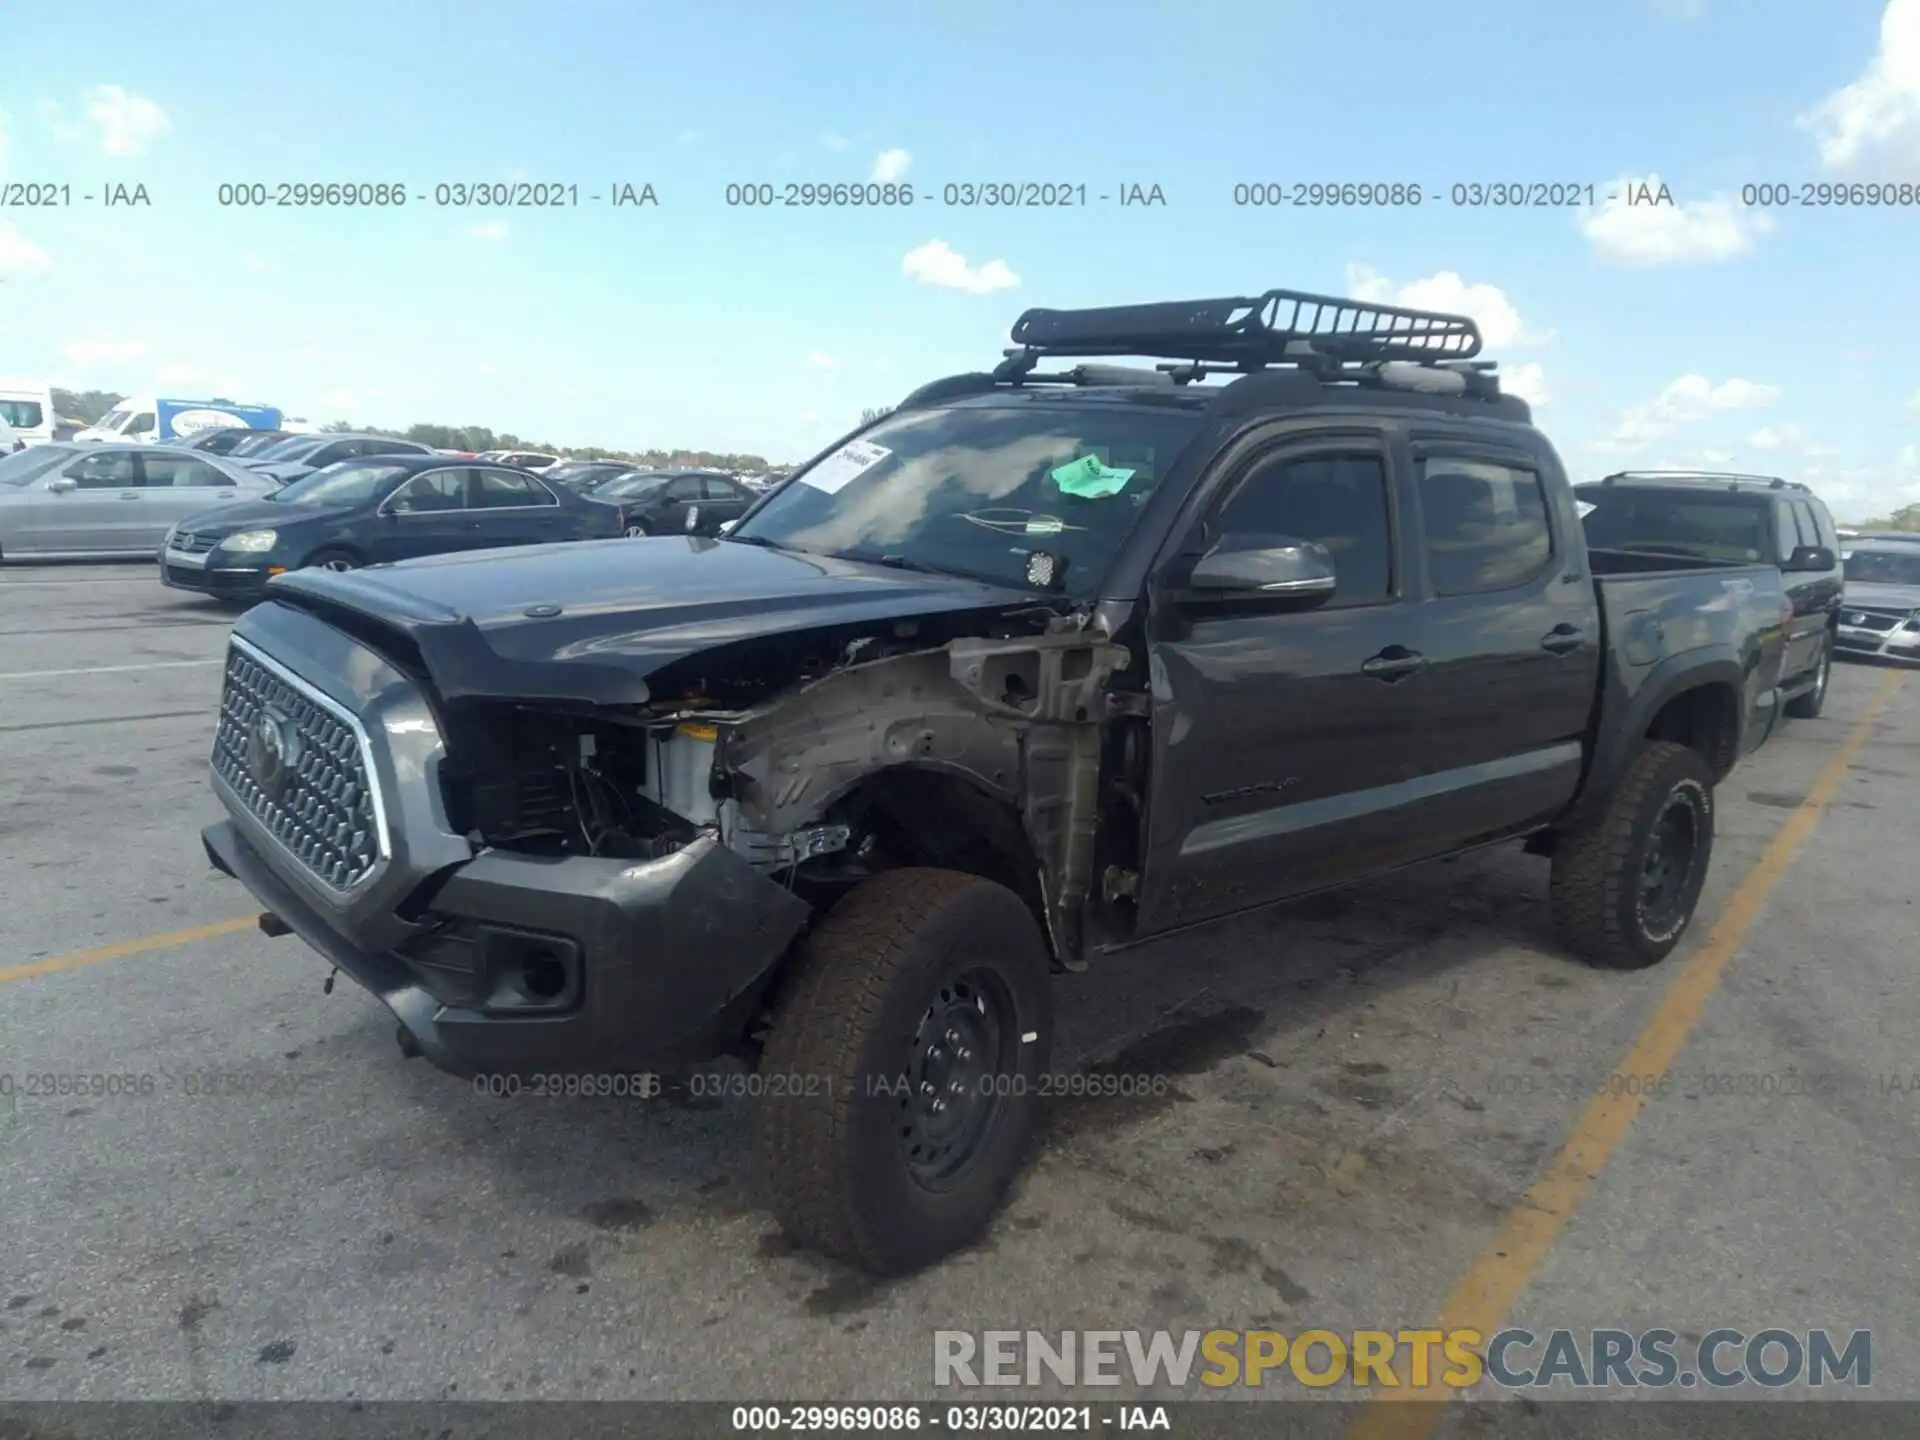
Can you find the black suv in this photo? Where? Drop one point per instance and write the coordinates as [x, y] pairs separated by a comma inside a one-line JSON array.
[[1046, 663], [1746, 518]]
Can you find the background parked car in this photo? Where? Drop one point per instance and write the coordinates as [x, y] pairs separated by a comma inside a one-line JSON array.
[[584, 475], [372, 510], [26, 406], [78, 500], [1880, 614], [299, 457], [528, 459], [231, 440], [659, 502], [1743, 518]]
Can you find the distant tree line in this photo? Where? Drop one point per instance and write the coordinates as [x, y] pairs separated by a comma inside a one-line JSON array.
[[89, 405], [1907, 517]]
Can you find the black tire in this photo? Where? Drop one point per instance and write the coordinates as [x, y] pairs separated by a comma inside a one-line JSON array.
[[1606, 910], [848, 1059], [332, 559], [1807, 706]]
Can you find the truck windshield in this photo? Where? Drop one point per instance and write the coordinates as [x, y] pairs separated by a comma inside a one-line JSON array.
[[1882, 567], [1666, 522], [1029, 496]]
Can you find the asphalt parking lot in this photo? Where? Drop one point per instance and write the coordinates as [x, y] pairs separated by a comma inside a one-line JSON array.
[[1365, 1097]]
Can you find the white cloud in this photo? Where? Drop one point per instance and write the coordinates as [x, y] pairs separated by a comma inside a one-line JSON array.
[[492, 230], [123, 123], [891, 165], [176, 374], [1717, 457], [1528, 381], [818, 361], [835, 141], [939, 264], [19, 255], [1913, 405], [1687, 401], [1875, 121], [100, 352], [1683, 233], [1445, 291], [1788, 440]]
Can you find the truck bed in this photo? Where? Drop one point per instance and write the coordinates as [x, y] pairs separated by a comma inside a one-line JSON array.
[[1661, 614]]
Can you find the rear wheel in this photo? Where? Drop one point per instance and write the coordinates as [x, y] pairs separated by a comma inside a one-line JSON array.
[[1626, 882], [1808, 705], [636, 529], [332, 560], [903, 1072]]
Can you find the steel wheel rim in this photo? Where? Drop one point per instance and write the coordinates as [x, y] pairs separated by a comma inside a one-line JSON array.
[[959, 1076], [336, 564], [636, 532], [1667, 869]]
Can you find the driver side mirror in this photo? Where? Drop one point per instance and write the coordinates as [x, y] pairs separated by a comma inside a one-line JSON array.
[[1810, 557], [63, 484], [1271, 568]]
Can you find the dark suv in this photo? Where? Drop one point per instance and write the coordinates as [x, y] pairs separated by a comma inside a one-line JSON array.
[[1744, 518]]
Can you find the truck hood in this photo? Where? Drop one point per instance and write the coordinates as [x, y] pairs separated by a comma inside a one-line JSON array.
[[591, 620], [1889, 597]]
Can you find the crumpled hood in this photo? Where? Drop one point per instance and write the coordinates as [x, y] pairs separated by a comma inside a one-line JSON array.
[[590, 620]]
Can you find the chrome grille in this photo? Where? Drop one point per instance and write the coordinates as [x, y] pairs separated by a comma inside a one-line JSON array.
[[300, 770], [1864, 619], [185, 542]]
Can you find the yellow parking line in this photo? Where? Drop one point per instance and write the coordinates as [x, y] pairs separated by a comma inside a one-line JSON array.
[[1491, 1286], [120, 949]]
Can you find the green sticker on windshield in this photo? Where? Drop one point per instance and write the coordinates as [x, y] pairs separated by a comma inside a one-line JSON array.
[[1090, 480]]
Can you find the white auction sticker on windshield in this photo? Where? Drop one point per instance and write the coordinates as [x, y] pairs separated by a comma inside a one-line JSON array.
[[1584, 508], [844, 466]]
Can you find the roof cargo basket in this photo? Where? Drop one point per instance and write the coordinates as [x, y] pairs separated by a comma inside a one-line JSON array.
[[1246, 333]]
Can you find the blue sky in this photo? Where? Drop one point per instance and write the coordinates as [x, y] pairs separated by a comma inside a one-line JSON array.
[[1707, 333]]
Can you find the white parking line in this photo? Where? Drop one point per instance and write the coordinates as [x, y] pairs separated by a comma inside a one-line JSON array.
[[106, 669]]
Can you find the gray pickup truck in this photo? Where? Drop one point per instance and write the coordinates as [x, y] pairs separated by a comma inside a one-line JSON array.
[[1040, 665]]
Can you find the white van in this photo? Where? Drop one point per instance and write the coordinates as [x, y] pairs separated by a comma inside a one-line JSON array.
[[27, 407], [160, 421]]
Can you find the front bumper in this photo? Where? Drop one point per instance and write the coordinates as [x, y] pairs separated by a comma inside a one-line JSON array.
[[643, 966], [496, 961], [1899, 644], [205, 575]]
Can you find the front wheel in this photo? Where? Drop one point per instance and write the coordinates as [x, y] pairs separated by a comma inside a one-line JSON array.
[[1625, 882], [638, 529], [904, 1068], [332, 560], [1808, 705]]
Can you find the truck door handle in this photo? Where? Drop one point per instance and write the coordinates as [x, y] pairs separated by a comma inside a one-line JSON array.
[[1562, 638], [1396, 662]]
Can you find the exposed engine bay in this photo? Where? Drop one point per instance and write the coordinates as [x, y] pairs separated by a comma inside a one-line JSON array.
[[819, 768]]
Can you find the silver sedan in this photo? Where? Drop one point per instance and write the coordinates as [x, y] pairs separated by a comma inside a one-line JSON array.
[[70, 501]]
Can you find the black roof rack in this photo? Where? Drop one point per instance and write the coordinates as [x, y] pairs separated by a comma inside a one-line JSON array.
[[1246, 333], [1732, 479]]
